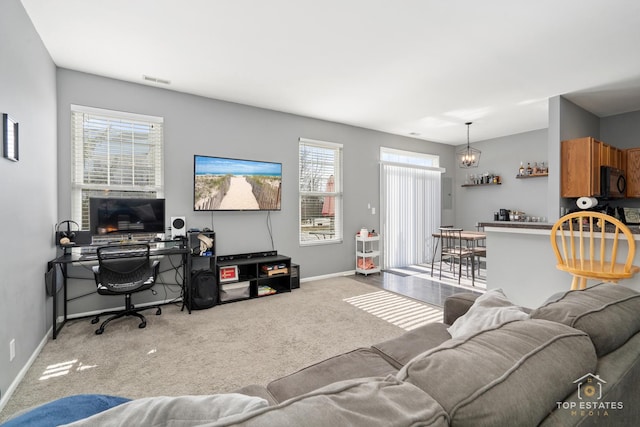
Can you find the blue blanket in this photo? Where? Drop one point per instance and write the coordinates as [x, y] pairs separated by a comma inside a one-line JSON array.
[[65, 410]]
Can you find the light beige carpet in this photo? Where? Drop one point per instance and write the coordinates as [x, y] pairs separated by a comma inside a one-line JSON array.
[[210, 351]]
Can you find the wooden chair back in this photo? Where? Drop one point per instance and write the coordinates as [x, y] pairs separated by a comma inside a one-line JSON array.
[[588, 246]]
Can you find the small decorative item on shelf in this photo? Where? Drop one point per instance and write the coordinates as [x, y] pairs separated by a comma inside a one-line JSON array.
[[486, 178], [274, 269], [265, 290], [538, 169], [228, 274]]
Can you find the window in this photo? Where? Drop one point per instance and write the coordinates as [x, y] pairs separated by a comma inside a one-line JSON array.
[[320, 185], [114, 153], [391, 155]]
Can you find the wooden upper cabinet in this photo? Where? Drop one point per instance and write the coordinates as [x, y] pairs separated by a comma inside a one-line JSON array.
[[611, 156], [580, 161], [633, 172]]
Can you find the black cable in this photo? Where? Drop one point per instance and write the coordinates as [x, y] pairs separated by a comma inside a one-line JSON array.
[[270, 229]]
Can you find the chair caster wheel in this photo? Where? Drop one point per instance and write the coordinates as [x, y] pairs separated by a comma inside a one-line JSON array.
[[142, 325], [95, 320], [99, 331], [159, 311]]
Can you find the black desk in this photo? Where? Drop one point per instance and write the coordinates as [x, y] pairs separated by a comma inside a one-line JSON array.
[[69, 257]]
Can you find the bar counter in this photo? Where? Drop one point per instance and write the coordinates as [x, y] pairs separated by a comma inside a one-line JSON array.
[[520, 261]]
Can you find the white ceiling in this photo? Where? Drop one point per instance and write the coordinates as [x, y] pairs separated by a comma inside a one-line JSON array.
[[403, 67]]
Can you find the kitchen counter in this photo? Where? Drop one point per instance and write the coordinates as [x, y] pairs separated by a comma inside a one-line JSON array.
[[521, 262], [521, 225]]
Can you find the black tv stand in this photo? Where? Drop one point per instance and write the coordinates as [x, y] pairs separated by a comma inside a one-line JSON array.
[[252, 275]]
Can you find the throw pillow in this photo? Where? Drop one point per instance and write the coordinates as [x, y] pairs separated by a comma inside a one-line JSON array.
[[488, 311]]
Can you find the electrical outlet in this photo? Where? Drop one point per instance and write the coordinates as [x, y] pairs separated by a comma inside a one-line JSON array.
[[12, 350], [373, 211]]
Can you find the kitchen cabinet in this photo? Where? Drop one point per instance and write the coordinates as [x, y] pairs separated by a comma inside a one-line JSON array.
[[580, 161], [611, 156], [632, 169]]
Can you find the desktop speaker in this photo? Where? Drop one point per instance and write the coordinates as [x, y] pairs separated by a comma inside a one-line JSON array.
[[178, 227], [295, 276]]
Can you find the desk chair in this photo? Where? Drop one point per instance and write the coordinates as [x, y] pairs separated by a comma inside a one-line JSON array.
[[453, 249], [586, 254], [124, 270]]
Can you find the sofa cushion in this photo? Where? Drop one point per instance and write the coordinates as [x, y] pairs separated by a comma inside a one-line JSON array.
[[608, 313], [371, 402], [360, 363], [489, 310], [398, 351], [510, 375]]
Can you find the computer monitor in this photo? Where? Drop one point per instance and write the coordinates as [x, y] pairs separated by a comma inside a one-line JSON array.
[[111, 216]]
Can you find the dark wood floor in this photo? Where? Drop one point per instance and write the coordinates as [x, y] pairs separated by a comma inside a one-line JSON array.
[[412, 286]]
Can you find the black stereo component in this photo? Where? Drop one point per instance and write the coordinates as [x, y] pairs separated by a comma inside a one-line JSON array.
[[295, 276], [250, 255]]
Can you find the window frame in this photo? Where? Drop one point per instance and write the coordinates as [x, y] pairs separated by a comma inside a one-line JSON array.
[[337, 227], [81, 190]]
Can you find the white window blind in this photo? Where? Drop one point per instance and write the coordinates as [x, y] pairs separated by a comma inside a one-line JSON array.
[[410, 206], [320, 190], [116, 154]]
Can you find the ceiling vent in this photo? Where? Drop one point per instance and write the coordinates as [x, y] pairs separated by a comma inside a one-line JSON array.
[[156, 80]]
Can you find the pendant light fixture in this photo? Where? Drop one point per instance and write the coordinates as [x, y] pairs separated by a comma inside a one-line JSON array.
[[468, 157]]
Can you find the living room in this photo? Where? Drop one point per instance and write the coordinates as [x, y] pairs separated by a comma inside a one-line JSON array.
[[37, 191]]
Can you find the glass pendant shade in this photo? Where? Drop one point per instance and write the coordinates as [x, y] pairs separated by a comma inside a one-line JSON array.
[[468, 157]]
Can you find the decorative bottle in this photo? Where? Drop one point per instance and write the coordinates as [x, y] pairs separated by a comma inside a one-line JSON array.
[[521, 170]]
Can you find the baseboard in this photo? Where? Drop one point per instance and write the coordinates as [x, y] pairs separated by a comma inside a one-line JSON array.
[[18, 379], [328, 276]]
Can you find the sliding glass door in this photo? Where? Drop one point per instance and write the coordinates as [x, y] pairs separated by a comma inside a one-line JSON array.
[[410, 207]]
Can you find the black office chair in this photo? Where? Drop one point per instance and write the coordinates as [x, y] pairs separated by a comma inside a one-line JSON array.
[[125, 270]]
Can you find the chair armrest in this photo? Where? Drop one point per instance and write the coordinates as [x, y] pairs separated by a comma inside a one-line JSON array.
[[457, 305]]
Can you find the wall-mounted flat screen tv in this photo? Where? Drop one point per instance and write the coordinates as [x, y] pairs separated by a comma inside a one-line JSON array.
[[111, 215], [223, 184]]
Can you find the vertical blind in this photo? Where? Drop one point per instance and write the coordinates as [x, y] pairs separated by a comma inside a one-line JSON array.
[[410, 213], [114, 153], [320, 192]]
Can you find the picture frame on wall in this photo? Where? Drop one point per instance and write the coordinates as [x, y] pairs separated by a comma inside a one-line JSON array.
[[9, 138]]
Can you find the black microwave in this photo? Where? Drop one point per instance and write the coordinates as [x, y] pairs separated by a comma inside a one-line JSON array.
[[613, 183]]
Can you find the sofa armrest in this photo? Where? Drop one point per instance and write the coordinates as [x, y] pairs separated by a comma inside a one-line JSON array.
[[457, 305]]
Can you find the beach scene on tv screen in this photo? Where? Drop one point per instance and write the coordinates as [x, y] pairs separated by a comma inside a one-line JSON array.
[[234, 184]]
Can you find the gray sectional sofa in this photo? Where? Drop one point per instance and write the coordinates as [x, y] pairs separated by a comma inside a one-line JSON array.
[[574, 361]]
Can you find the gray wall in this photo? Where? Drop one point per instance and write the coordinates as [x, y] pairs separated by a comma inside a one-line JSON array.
[[502, 156], [621, 131], [28, 192], [197, 125]]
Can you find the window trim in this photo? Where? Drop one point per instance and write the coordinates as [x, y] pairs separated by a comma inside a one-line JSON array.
[[77, 144]]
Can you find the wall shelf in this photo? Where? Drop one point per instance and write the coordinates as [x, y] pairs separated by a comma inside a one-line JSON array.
[[537, 175], [481, 185]]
